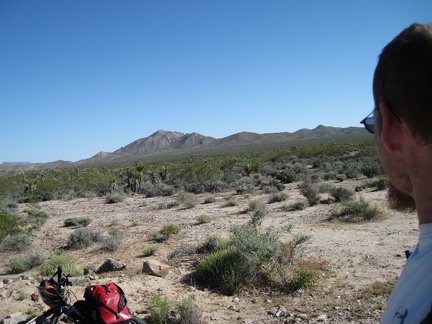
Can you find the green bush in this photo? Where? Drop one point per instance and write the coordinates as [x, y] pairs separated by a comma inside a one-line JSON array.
[[83, 237], [68, 265], [278, 197], [21, 263], [209, 200], [311, 192], [202, 219], [226, 269], [230, 202], [18, 242], [341, 194], [149, 250], [357, 211], [77, 221], [115, 197], [188, 311], [188, 200], [159, 309], [168, 229], [214, 242], [382, 183]]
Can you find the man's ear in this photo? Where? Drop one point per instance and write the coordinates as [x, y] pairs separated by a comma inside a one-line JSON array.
[[391, 129]]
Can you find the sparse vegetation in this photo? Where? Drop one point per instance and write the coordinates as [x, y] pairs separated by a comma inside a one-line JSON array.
[[202, 219], [149, 250], [248, 254], [77, 221], [83, 237], [357, 211], [68, 264]]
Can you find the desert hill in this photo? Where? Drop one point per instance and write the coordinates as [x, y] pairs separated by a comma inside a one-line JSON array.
[[162, 144]]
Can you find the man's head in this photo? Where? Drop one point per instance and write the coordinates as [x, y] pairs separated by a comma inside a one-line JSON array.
[[403, 79], [402, 89]]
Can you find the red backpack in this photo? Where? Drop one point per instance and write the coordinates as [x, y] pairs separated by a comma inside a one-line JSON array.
[[108, 304]]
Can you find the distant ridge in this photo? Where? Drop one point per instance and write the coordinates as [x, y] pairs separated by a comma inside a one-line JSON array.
[[162, 142]]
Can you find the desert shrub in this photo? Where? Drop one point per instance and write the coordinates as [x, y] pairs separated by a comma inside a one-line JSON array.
[[18, 242], [202, 219], [83, 237], [149, 250], [87, 194], [214, 242], [66, 262], [188, 200], [115, 197], [324, 187], [310, 191], [342, 194], [357, 211], [230, 202], [17, 264], [114, 239], [278, 197], [225, 269], [341, 177], [35, 216], [111, 243], [77, 221], [159, 309], [182, 250], [135, 222], [371, 168], [21, 263], [249, 255], [157, 236], [189, 311], [298, 205], [209, 200], [159, 189], [169, 229], [258, 213], [382, 183], [243, 188], [286, 176]]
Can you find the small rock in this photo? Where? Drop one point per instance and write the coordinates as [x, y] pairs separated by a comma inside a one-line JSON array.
[[110, 265], [322, 318], [14, 318], [155, 268], [234, 309], [302, 316], [236, 300], [34, 297]]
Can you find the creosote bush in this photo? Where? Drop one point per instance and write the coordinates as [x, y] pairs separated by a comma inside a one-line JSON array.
[[202, 219], [68, 264], [115, 197], [342, 194], [21, 263], [77, 221], [83, 237], [249, 256], [356, 211]]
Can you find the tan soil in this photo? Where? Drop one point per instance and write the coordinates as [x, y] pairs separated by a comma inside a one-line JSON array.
[[357, 255]]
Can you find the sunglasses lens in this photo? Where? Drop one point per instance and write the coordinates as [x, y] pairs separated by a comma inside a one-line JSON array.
[[370, 124]]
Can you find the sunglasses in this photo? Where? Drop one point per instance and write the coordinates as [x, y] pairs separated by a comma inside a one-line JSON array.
[[369, 120]]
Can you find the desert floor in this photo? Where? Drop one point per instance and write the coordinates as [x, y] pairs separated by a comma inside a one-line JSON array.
[[358, 255]]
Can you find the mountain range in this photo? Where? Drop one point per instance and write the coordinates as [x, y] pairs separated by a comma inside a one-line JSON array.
[[163, 144]]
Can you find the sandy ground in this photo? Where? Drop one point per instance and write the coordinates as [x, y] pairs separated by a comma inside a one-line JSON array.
[[357, 256]]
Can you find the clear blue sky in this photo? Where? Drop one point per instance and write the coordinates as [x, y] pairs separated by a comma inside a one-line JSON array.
[[83, 76]]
